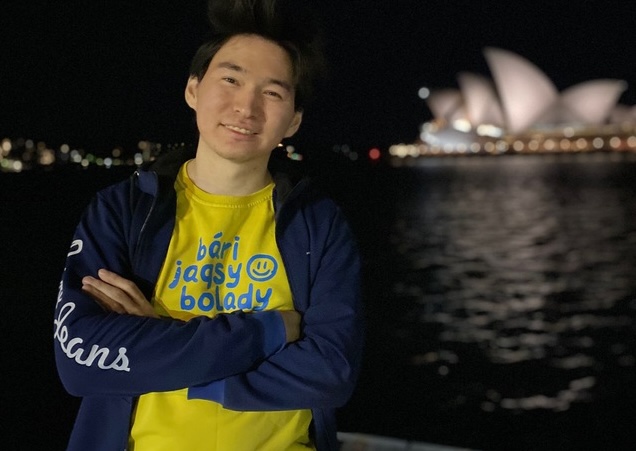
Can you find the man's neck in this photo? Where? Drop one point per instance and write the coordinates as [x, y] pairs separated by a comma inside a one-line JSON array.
[[217, 176]]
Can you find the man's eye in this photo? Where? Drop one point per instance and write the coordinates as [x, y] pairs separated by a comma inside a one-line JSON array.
[[229, 80], [273, 94]]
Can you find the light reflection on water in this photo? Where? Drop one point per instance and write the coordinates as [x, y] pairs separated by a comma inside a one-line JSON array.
[[530, 263]]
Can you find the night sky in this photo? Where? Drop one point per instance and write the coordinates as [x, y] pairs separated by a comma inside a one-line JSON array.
[[98, 73]]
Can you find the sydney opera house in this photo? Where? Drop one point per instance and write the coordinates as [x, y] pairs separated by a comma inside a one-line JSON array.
[[521, 111]]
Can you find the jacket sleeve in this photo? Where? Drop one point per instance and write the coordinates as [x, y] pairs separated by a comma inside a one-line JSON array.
[[320, 370], [101, 353]]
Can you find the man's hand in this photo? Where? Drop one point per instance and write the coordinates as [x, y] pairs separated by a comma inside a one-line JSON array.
[[116, 294], [291, 318]]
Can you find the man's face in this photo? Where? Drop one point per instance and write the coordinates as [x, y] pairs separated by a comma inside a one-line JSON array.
[[245, 102]]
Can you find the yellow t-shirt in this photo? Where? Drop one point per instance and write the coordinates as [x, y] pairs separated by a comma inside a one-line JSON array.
[[222, 257]]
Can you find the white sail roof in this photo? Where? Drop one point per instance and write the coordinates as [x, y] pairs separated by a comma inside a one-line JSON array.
[[623, 114], [480, 99], [592, 101], [526, 93], [446, 104], [521, 97]]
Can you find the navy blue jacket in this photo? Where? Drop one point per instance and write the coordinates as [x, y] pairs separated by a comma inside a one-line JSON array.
[[236, 359]]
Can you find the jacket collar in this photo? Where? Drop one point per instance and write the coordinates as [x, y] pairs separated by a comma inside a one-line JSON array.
[[161, 173]]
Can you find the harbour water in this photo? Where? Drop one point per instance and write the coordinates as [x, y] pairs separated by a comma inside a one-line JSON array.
[[500, 299], [503, 305]]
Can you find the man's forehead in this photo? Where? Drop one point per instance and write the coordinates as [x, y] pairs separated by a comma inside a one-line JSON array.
[[245, 54], [247, 45]]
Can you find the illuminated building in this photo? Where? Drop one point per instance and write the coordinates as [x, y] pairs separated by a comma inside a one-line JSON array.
[[521, 111]]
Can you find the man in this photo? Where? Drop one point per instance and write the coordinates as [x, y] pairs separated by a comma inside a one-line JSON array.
[[207, 303]]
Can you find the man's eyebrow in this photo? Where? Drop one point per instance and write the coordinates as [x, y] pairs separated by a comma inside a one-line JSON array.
[[231, 66], [283, 84], [236, 68]]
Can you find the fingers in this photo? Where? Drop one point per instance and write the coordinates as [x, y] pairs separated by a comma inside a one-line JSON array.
[[92, 286], [127, 286], [117, 294]]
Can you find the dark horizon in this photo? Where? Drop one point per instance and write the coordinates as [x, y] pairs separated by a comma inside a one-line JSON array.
[[95, 75]]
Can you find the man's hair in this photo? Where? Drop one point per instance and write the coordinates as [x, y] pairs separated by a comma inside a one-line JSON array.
[[289, 23]]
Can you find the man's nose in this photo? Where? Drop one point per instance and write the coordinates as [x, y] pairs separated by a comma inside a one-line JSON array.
[[248, 103]]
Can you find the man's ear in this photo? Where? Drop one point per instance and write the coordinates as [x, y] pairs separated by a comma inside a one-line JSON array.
[[295, 124], [191, 92]]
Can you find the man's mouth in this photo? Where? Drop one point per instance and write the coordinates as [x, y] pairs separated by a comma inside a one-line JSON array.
[[243, 131]]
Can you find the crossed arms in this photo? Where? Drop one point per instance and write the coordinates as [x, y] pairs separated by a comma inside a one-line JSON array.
[[110, 341], [119, 295]]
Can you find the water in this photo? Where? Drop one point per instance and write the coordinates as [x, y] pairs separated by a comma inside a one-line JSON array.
[[500, 295], [508, 313]]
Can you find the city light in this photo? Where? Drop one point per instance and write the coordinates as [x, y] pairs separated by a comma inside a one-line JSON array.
[[423, 93], [17, 155]]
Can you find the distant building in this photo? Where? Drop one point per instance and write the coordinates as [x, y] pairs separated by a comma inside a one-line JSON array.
[[522, 111]]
